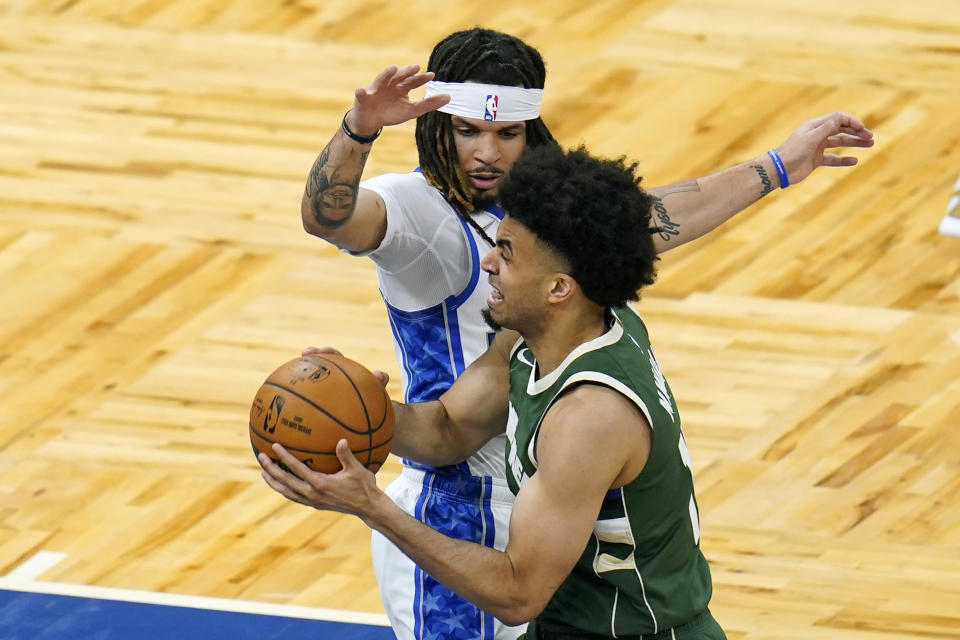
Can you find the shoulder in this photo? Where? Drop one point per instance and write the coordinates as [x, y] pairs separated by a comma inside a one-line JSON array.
[[596, 409], [595, 423]]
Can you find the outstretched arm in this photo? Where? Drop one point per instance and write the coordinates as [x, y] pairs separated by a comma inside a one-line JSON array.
[[333, 206], [684, 211]]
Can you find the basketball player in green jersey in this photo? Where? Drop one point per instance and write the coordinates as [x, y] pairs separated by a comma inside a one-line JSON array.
[[604, 535]]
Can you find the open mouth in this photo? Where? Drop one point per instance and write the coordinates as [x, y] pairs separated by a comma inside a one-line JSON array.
[[495, 296], [484, 180]]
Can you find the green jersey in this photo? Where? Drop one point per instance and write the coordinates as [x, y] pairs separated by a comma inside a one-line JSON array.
[[642, 571]]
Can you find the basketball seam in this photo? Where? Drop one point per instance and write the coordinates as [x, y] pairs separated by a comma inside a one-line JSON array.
[[253, 430], [366, 414]]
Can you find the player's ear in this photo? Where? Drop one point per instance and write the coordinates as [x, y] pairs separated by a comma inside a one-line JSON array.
[[562, 286]]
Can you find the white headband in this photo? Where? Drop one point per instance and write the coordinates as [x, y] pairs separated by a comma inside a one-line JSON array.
[[490, 102]]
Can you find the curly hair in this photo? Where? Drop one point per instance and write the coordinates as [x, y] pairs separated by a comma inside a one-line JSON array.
[[592, 212], [474, 55]]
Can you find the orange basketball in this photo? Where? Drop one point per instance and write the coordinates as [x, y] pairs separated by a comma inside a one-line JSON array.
[[310, 403]]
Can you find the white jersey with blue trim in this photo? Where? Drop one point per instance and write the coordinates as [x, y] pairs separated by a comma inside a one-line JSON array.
[[428, 268]]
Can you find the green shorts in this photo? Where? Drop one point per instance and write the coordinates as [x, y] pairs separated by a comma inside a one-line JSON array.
[[702, 627]]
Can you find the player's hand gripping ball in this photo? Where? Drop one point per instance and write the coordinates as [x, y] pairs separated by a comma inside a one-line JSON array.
[[310, 403]]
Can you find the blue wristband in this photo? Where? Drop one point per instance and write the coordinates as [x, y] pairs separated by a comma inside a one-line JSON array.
[[781, 170]]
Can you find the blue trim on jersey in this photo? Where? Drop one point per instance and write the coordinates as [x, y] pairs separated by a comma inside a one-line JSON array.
[[459, 507], [456, 347], [451, 305], [490, 533], [403, 350], [422, 339], [474, 268], [496, 211], [614, 494], [418, 574]]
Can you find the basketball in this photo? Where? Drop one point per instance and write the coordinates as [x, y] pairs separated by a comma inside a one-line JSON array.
[[310, 403]]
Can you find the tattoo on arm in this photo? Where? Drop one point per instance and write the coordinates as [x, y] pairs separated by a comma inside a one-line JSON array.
[[668, 228], [764, 178], [332, 195], [316, 180]]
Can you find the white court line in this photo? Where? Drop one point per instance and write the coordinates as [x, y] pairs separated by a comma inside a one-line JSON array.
[[36, 565], [20, 579], [950, 225]]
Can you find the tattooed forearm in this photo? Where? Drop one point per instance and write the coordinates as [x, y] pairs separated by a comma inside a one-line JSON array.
[[764, 178], [335, 205], [316, 181], [332, 195], [667, 228]]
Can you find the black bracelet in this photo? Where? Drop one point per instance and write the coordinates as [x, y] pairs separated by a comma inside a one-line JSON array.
[[355, 137]]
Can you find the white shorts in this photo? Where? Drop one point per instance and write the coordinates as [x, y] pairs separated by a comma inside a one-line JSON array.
[[475, 508]]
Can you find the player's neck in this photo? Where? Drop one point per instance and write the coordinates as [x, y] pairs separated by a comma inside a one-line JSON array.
[[554, 339]]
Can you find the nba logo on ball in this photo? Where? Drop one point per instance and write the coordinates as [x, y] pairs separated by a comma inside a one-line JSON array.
[[490, 109]]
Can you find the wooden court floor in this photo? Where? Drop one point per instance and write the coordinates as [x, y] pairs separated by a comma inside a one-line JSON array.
[[153, 271]]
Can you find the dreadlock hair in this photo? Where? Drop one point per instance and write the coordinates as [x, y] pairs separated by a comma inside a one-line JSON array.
[[474, 55], [592, 213]]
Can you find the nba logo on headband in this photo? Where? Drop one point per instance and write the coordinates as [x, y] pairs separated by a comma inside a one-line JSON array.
[[482, 101], [490, 108]]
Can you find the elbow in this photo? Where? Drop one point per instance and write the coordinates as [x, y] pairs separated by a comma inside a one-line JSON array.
[[307, 224], [515, 620], [521, 595], [328, 234], [309, 220], [346, 237], [518, 616], [520, 610]]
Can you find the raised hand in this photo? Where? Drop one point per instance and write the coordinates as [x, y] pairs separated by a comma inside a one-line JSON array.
[[805, 149], [385, 101]]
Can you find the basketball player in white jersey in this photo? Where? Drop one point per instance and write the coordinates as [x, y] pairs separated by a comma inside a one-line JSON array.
[[427, 231]]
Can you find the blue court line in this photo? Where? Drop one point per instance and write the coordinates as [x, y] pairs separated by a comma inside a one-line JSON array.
[[29, 611]]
